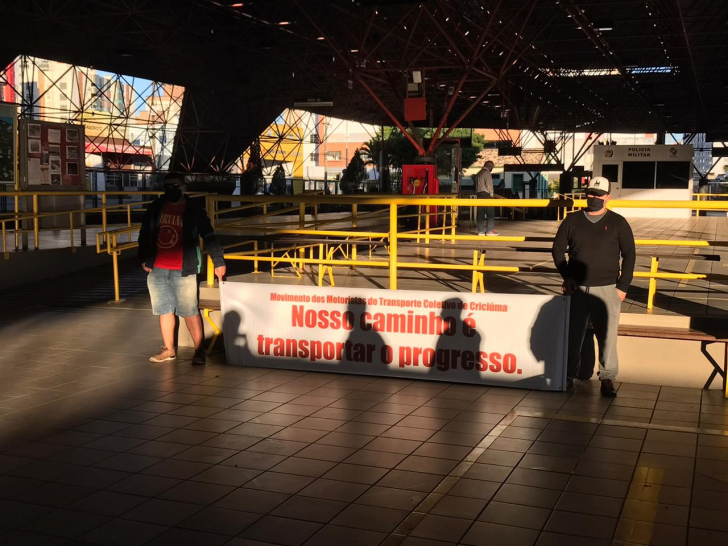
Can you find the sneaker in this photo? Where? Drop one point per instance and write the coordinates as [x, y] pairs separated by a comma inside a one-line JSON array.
[[492, 233], [608, 388], [199, 358], [166, 354], [570, 383], [481, 233]]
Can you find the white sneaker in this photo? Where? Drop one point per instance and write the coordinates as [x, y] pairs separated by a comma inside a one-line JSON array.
[[481, 233], [492, 233]]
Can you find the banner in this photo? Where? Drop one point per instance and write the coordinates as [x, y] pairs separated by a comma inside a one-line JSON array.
[[489, 339]]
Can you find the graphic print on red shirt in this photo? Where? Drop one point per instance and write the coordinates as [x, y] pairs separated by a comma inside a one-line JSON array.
[[169, 240]]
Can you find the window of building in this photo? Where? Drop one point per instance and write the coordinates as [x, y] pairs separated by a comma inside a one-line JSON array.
[[517, 183], [673, 174], [333, 156], [638, 175], [610, 172], [313, 156], [314, 139]]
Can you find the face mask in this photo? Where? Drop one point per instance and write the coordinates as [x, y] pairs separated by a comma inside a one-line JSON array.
[[593, 204], [172, 194]]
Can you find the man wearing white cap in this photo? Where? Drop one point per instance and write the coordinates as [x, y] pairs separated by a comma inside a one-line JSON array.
[[596, 239]]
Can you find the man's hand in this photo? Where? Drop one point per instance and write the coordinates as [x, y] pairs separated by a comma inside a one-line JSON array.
[[569, 287], [220, 272], [621, 294], [147, 269]]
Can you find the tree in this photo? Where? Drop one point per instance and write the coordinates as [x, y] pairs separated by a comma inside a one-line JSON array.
[[252, 181], [278, 184], [354, 174], [398, 150]]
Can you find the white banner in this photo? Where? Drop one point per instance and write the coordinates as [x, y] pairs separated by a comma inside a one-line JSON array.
[[493, 339]]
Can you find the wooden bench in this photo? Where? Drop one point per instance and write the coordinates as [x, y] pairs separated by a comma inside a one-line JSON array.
[[703, 335]]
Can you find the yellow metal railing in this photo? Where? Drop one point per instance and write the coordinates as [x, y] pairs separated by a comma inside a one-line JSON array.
[[29, 221], [326, 260], [390, 210]]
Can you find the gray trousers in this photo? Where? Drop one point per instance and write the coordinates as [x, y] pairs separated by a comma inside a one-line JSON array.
[[485, 211], [602, 305]]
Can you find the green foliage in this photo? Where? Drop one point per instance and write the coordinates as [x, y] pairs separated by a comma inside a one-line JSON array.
[[278, 185], [354, 174], [398, 151], [553, 188], [252, 181]]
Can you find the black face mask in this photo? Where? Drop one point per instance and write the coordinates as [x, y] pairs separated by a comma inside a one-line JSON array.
[[173, 194], [593, 204]]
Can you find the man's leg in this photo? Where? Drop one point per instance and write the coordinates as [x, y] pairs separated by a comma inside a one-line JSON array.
[[187, 307], [161, 293], [194, 325], [490, 212], [481, 214], [578, 317], [167, 324], [605, 308], [587, 362]]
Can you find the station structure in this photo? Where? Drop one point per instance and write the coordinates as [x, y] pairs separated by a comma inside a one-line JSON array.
[[101, 99]]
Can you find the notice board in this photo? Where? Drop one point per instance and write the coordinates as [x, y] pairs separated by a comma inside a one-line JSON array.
[[52, 155]]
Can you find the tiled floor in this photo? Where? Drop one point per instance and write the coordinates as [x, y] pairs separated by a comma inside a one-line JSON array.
[[99, 446]]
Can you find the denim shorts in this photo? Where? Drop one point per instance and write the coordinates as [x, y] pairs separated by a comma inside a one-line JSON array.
[[172, 293]]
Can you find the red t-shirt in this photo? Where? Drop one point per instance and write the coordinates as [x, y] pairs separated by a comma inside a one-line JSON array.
[[169, 240]]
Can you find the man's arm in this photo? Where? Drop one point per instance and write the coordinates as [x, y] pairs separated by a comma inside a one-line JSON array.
[[629, 256], [212, 245], [558, 250], [143, 239]]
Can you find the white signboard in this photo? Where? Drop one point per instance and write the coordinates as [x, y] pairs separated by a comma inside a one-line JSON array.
[[493, 339]]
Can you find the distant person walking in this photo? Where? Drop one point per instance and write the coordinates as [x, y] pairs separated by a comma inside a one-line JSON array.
[[169, 249], [596, 240], [484, 189]]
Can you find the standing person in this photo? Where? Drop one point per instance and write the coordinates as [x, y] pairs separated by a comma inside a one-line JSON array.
[[169, 249], [596, 239], [484, 188]]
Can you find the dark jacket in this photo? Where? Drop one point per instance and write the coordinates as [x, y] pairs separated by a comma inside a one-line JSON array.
[[195, 226], [595, 250]]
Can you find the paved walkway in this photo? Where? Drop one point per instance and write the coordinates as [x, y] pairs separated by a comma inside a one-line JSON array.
[[99, 446]]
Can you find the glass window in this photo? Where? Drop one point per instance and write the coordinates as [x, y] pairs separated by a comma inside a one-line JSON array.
[[518, 183], [673, 175], [611, 173], [638, 175]]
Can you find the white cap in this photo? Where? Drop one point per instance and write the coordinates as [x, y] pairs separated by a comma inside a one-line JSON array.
[[599, 185]]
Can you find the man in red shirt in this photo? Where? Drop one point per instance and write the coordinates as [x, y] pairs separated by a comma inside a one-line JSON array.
[[169, 248]]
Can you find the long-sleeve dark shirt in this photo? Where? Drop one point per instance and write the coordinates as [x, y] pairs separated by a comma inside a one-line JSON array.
[[595, 250]]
